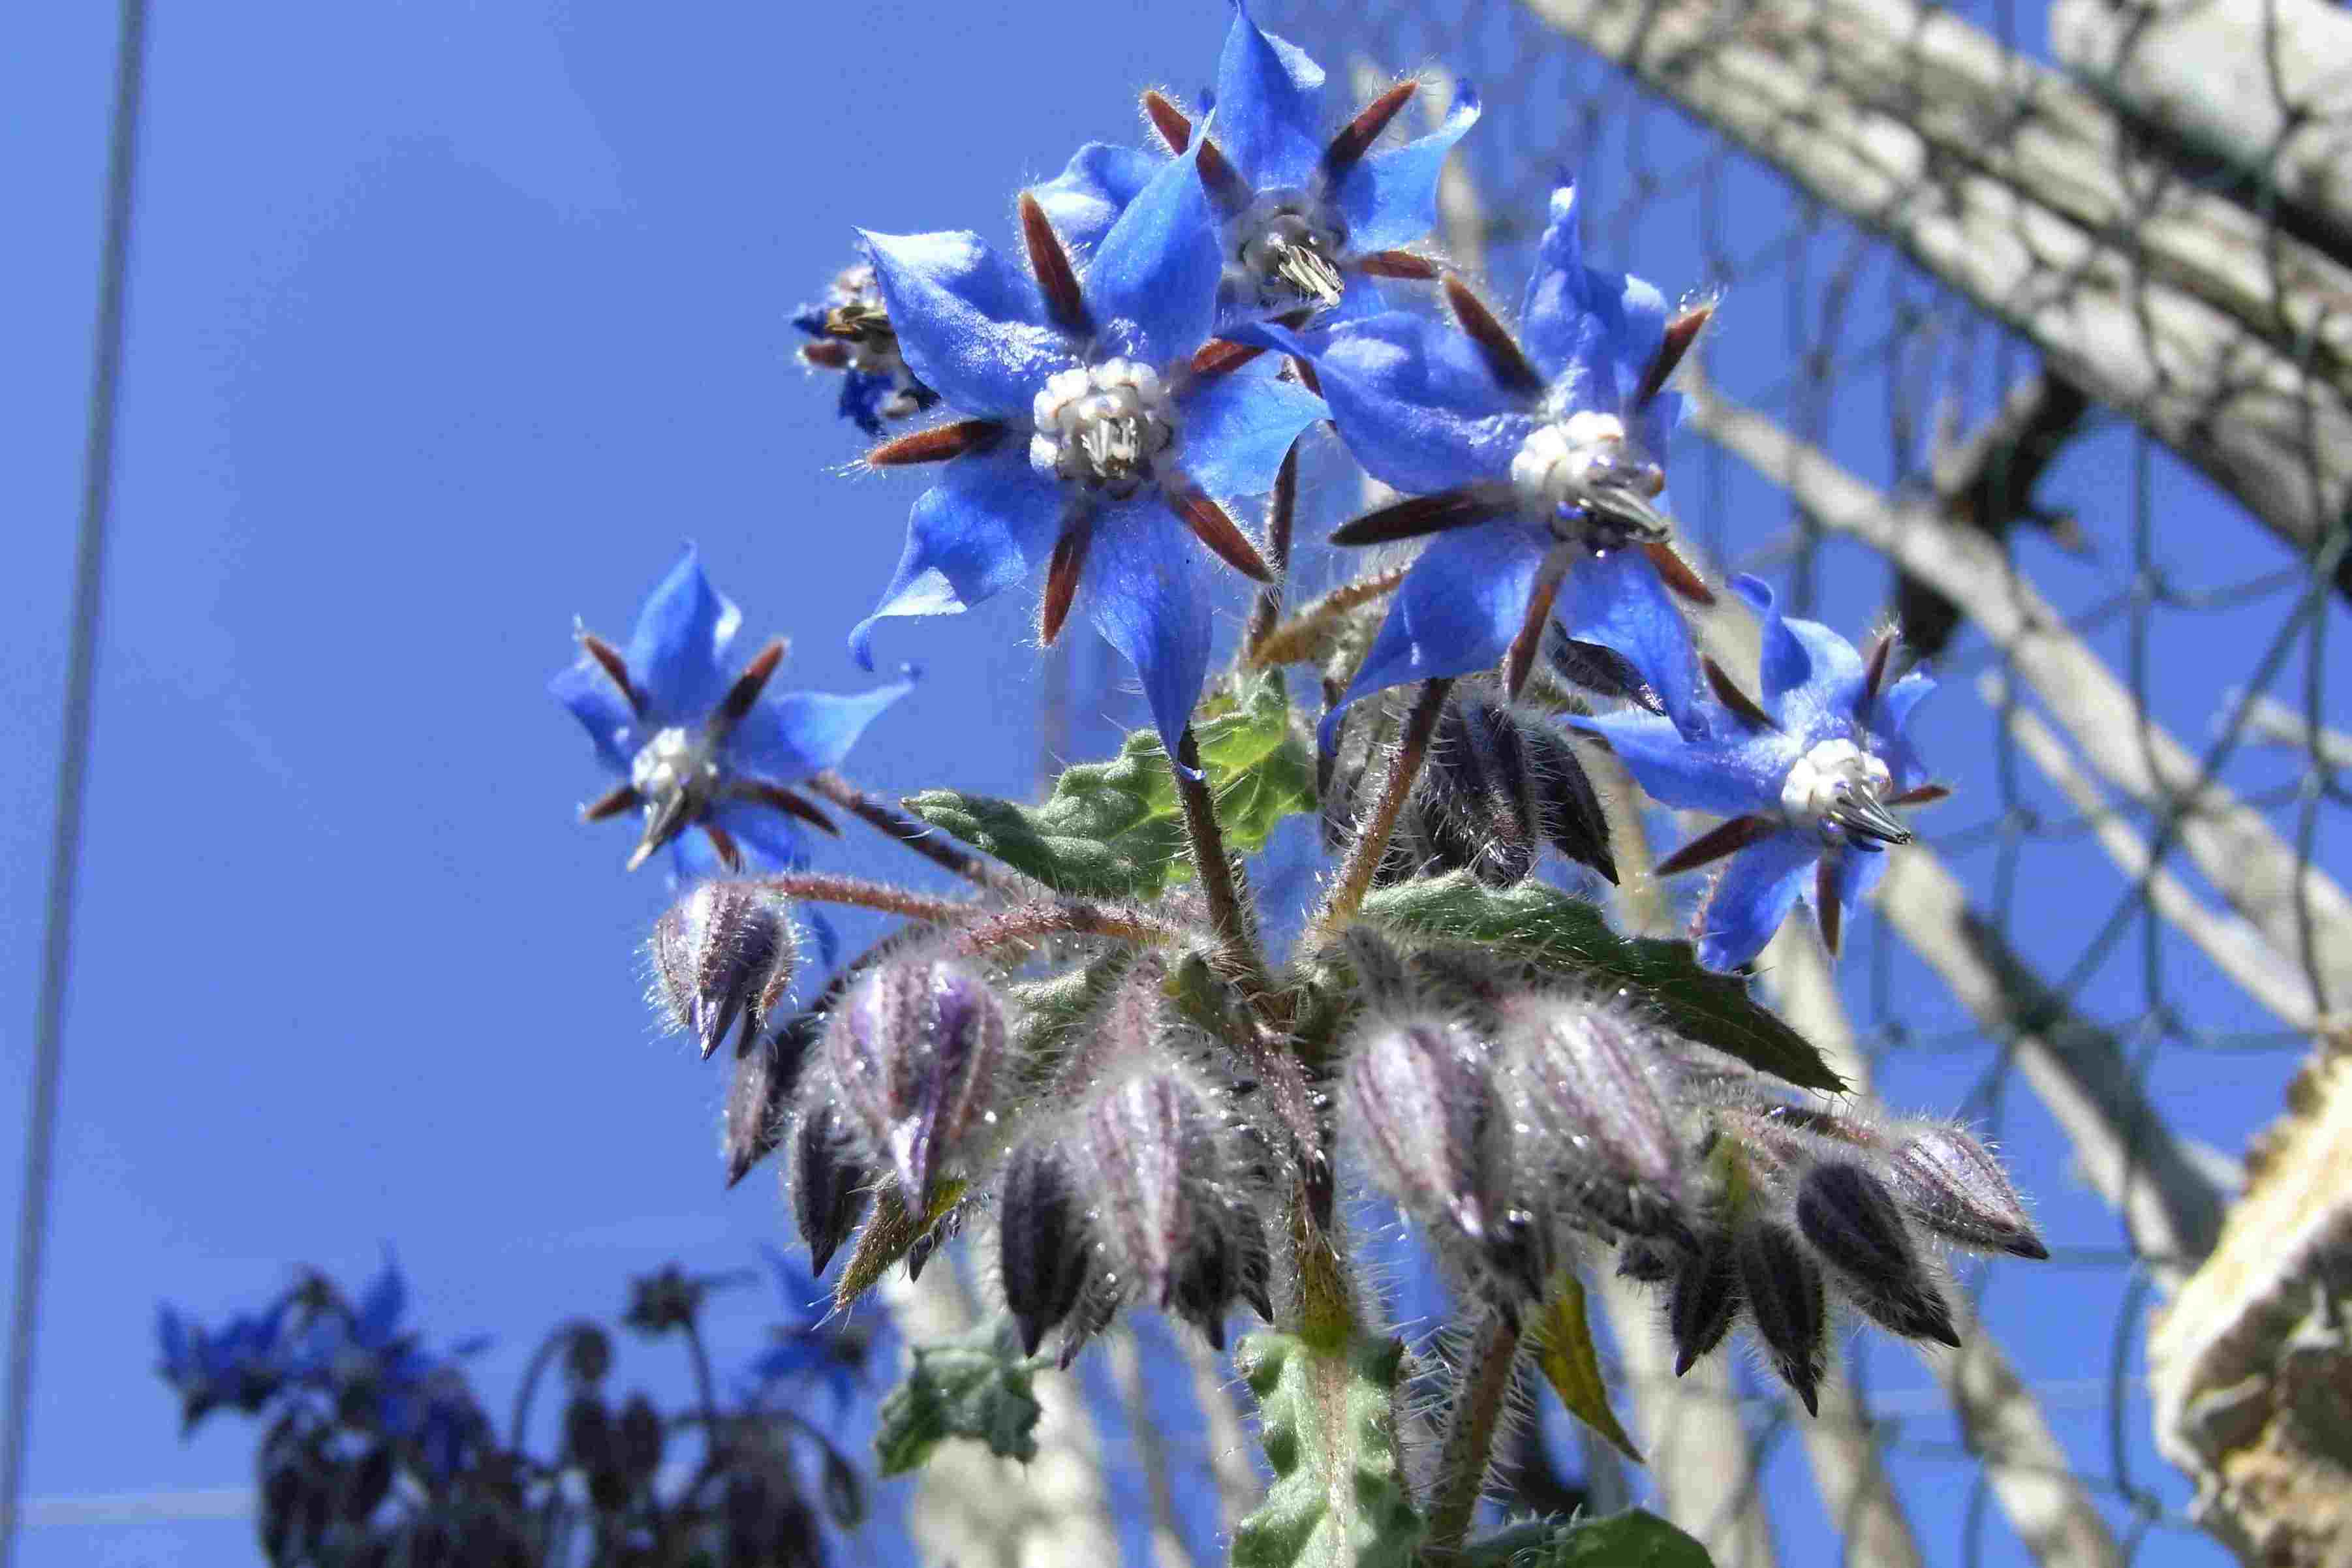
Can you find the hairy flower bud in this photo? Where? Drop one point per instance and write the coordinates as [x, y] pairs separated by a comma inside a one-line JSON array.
[[1702, 1300], [828, 1182], [1953, 1186], [1784, 1293], [592, 1443], [1647, 1263], [725, 951], [1043, 1241], [918, 1052], [1583, 1073], [1597, 669], [641, 1438], [1151, 1145], [1852, 1222], [587, 1354], [1417, 1097]]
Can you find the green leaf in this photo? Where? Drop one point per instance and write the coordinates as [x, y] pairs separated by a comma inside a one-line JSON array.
[[1561, 1339], [890, 1236], [1550, 928], [1634, 1538], [1329, 1422], [975, 1385], [1116, 829]]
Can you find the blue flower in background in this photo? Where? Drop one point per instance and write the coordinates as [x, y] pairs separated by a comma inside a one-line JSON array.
[[808, 1346], [1537, 467], [1806, 776], [244, 1364], [853, 336], [1094, 447], [695, 747], [1303, 213], [363, 1352]]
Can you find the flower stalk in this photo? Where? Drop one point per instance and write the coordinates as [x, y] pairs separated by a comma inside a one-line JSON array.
[[1484, 1384], [1372, 834], [926, 841]]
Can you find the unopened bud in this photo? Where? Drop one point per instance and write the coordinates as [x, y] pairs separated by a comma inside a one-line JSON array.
[[1418, 1097], [1702, 1300], [1584, 1071], [587, 1354], [828, 1182], [1646, 1262], [1783, 1288], [725, 951], [1851, 1221], [1042, 1231], [1597, 669], [917, 1051], [1953, 1186], [641, 1438], [590, 1442], [1151, 1143]]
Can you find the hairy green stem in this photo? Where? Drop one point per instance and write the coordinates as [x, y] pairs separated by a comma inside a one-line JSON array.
[[1297, 639], [1279, 511], [924, 839], [1237, 940], [1470, 1428], [1378, 825]]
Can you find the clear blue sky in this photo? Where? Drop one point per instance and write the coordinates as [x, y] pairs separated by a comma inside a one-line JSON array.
[[449, 322]]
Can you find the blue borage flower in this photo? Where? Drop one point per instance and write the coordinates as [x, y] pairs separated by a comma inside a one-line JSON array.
[[1807, 777], [1303, 213], [808, 1345], [244, 1364], [853, 335], [418, 1397], [1095, 443], [1535, 466], [696, 748]]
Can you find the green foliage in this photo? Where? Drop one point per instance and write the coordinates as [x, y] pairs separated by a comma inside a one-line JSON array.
[[1634, 1538], [975, 1385], [1567, 934], [890, 1236], [1329, 1422], [1560, 1337], [1116, 828]]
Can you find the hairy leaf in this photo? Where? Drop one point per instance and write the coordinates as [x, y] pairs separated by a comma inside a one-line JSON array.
[[1567, 934], [1116, 829], [1634, 1538], [890, 1236], [975, 1385], [1328, 1421], [1561, 1340]]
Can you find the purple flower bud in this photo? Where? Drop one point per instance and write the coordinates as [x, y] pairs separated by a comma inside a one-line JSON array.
[[1045, 1246], [916, 1052], [641, 1438], [1702, 1300], [1783, 1288], [1851, 1221], [725, 951], [758, 1102], [828, 1182], [1151, 1146], [1952, 1185], [1584, 1074], [1417, 1098], [587, 1354], [1597, 669]]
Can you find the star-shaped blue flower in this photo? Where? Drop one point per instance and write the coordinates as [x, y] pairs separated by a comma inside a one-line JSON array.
[[696, 747], [1807, 777], [853, 334], [1535, 459], [244, 1364], [1304, 212], [807, 1344], [1093, 444], [365, 1352]]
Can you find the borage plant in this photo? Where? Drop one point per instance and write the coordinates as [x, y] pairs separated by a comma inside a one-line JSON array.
[[1095, 1067]]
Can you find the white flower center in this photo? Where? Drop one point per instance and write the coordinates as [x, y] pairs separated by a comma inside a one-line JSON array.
[[674, 765], [1834, 785], [1578, 476], [1282, 256], [1102, 427]]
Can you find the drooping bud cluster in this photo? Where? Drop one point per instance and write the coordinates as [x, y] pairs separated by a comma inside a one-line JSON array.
[[1517, 1128], [724, 952], [1498, 786], [916, 1058]]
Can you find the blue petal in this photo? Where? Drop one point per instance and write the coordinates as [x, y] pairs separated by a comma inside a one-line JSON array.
[[1754, 897], [797, 1287], [1390, 199], [982, 528], [1238, 426], [1607, 325], [382, 1304], [1147, 587], [1856, 873], [792, 734], [1616, 600], [1890, 725], [1153, 285], [1824, 706], [1786, 664], [1730, 778], [588, 693], [1415, 400], [969, 323], [768, 840], [1087, 197], [827, 940], [1269, 113], [1456, 612], [675, 652], [172, 1338]]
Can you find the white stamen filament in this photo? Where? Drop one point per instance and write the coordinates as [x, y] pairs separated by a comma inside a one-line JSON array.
[[1283, 257], [1102, 427], [1564, 465], [1826, 774]]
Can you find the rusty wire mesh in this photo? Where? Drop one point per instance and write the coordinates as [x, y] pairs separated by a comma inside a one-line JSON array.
[[2225, 635]]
